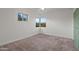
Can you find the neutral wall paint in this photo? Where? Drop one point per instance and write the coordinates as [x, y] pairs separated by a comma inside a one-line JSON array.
[[59, 22], [11, 29]]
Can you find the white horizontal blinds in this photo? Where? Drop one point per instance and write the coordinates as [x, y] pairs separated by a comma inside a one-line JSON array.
[[43, 20], [25, 17], [22, 17], [37, 20]]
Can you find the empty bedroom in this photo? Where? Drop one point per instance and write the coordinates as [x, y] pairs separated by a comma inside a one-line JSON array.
[[39, 29]]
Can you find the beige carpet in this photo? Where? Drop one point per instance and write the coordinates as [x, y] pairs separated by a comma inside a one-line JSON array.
[[40, 42]]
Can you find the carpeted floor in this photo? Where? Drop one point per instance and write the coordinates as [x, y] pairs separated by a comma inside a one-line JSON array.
[[40, 42]]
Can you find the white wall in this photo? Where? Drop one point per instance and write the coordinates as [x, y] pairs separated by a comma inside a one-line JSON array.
[[11, 29], [59, 22]]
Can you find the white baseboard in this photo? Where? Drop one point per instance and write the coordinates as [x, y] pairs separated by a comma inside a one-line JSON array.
[[17, 39], [59, 35]]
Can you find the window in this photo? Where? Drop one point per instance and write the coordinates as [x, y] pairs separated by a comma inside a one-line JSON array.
[[22, 17], [41, 22]]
